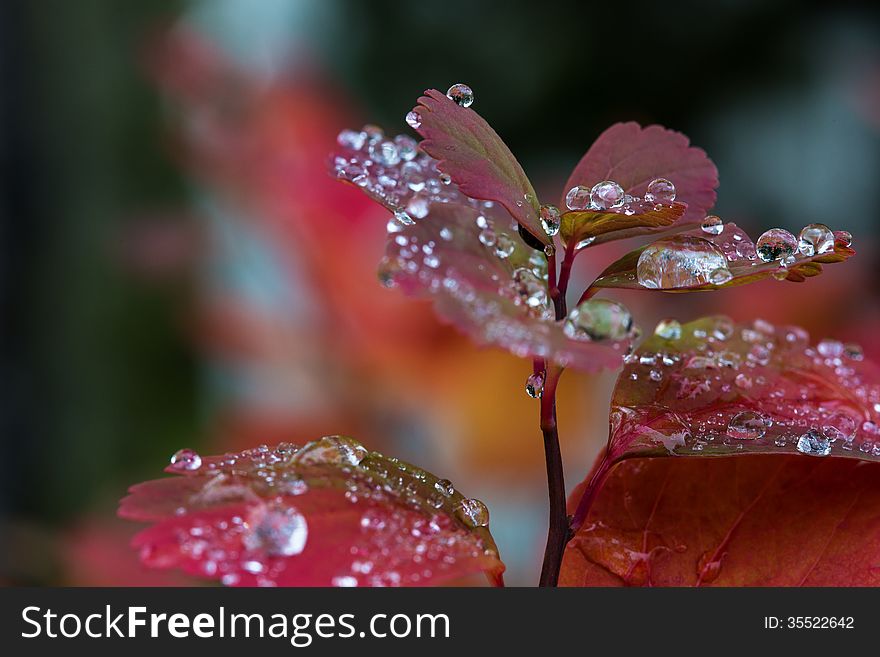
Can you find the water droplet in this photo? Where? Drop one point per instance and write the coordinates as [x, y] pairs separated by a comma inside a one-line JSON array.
[[403, 218], [668, 329], [747, 425], [712, 225], [550, 220], [814, 444], [830, 348], [418, 207], [332, 450], [679, 261], [578, 198], [660, 190], [446, 234], [584, 243], [487, 237], [815, 239], [720, 276], [839, 427], [186, 460], [385, 153], [388, 269], [504, 246], [445, 487], [530, 290], [461, 94], [445, 178], [535, 385], [776, 244], [280, 531], [843, 237], [473, 513], [743, 381], [345, 581], [606, 195], [413, 120], [598, 319], [352, 139]]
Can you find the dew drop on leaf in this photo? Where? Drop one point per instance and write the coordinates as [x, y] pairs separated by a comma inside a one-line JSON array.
[[186, 460], [713, 225], [280, 531], [473, 513], [776, 244], [598, 319], [332, 450], [720, 276], [815, 239], [445, 487], [607, 195], [843, 237], [504, 246], [550, 220], [660, 190], [747, 425], [814, 444], [679, 261], [413, 120], [578, 198], [668, 329], [461, 94]]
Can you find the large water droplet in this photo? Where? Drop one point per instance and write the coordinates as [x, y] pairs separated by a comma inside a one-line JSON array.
[[679, 261], [839, 427], [578, 198], [598, 319], [332, 450], [712, 225], [550, 220], [668, 329], [186, 460], [747, 425], [473, 513], [814, 444], [413, 120], [606, 195], [815, 239], [461, 94], [843, 237], [776, 244], [660, 190], [535, 385], [280, 531]]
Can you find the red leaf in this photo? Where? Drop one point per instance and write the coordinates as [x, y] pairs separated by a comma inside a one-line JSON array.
[[741, 261], [714, 388], [738, 521], [472, 153], [633, 156], [329, 513], [470, 273]]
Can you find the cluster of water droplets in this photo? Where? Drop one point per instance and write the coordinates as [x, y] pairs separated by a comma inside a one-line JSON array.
[[609, 196], [718, 252], [720, 387], [414, 526]]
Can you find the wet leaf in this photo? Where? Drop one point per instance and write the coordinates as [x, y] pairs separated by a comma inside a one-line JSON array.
[[471, 152], [742, 262], [633, 156], [594, 227], [738, 521], [798, 425], [331, 513], [489, 284]]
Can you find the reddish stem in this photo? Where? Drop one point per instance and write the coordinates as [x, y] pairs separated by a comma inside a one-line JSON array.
[[600, 471], [558, 533]]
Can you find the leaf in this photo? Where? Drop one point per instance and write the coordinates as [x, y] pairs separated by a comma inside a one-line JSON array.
[[596, 227], [633, 156], [467, 272], [770, 403], [329, 513], [472, 153], [742, 261], [738, 521]]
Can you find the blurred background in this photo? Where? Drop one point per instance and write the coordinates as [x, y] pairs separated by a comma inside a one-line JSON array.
[[177, 269]]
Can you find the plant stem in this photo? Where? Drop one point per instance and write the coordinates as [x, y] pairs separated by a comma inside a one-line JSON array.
[[558, 533]]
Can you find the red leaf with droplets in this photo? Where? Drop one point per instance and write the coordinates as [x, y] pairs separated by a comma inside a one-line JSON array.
[[741, 260], [471, 273], [330, 513], [475, 157], [714, 388], [633, 156]]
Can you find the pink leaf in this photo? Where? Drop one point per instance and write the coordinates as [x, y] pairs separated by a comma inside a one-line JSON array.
[[472, 153], [633, 156], [488, 283], [329, 513]]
